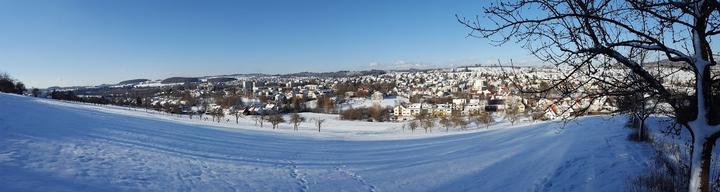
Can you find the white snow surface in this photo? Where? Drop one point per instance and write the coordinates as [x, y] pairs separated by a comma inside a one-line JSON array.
[[50, 145]]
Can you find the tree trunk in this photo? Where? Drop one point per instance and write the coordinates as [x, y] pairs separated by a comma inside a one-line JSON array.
[[704, 134], [700, 162], [641, 130]]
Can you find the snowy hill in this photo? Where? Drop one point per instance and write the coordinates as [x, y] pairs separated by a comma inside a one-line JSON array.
[[54, 146]]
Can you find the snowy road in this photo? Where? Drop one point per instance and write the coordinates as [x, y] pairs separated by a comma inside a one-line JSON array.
[[52, 146]]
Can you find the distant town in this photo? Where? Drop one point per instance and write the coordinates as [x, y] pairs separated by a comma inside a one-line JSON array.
[[375, 95]]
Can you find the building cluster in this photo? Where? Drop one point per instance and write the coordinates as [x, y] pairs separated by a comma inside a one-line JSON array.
[[440, 92]]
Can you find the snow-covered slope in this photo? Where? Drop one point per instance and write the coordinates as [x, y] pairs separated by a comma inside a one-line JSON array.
[[54, 146]]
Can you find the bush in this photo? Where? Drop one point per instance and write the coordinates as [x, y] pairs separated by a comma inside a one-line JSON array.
[[355, 114], [374, 113]]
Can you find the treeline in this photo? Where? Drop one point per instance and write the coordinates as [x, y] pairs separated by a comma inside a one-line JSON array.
[[375, 113], [70, 96], [10, 85], [362, 89]]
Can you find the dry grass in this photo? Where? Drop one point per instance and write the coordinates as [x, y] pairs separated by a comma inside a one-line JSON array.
[[667, 173]]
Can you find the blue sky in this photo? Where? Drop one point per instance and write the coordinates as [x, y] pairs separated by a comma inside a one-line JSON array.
[[63, 42]]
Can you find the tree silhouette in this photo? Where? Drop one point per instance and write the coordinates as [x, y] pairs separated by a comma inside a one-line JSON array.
[[597, 43]]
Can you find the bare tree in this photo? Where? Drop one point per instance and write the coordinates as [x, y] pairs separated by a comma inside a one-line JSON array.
[[413, 125], [201, 110], [237, 113], [482, 118], [326, 104], [592, 40], [296, 119], [458, 120], [219, 114], [446, 122], [428, 124], [318, 123], [275, 120], [260, 118], [211, 112], [426, 120], [512, 111], [376, 112], [639, 106]]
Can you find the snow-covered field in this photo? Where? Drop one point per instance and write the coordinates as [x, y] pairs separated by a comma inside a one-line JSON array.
[[56, 146]]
